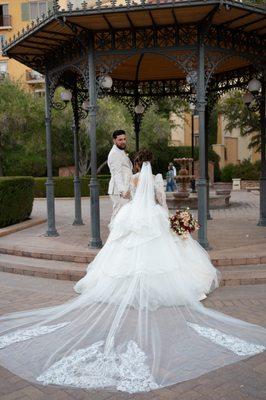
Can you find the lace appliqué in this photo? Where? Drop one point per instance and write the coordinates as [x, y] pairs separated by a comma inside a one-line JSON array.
[[236, 345], [92, 368], [24, 334]]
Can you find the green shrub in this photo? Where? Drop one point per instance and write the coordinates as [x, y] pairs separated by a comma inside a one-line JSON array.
[[228, 173], [64, 186], [16, 199], [17, 163], [246, 170]]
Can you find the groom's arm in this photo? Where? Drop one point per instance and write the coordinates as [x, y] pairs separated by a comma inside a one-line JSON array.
[[115, 165]]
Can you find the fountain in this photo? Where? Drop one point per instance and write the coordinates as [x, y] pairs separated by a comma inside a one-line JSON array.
[[183, 177], [184, 197]]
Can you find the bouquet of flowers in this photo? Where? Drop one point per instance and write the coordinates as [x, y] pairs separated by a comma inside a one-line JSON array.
[[183, 223]]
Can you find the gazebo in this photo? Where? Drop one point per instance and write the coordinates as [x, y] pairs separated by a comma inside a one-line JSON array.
[[138, 52]]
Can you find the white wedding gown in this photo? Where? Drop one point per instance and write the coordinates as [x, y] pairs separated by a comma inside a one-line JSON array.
[[138, 323]]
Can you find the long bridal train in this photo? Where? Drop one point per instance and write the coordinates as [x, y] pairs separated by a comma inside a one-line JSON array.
[[138, 323]]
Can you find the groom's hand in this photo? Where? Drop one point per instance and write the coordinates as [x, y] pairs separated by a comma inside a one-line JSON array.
[[125, 195]]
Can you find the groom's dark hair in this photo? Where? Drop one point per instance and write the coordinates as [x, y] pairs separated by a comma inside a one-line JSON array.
[[118, 132]]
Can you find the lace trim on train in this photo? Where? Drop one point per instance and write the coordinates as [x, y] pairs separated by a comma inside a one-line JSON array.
[[90, 367], [236, 345], [24, 334]]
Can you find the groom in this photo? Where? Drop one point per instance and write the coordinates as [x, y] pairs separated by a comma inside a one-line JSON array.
[[121, 171]]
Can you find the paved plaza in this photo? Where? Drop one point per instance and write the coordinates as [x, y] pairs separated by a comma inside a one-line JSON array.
[[245, 380], [232, 231]]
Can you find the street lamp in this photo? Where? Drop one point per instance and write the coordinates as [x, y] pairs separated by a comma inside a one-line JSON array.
[[139, 110], [66, 96], [192, 108], [106, 82], [254, 86]]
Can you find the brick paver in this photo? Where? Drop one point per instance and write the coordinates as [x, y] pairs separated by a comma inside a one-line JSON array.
[[245, 380]]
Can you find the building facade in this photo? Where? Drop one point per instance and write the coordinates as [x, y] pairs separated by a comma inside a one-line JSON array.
[[15, 15], [230, 146]]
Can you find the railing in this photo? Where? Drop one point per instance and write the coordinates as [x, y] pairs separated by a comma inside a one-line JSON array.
[[34, 76], [5, 20]]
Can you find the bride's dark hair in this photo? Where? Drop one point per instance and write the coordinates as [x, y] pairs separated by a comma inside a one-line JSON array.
[[141, 156]]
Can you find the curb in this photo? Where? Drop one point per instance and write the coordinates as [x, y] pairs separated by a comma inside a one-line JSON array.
[[21, 226]]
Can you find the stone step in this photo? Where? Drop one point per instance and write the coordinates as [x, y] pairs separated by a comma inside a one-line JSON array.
[[79, 256], [87, 255], [71, 271], [52, 269], [243, 275]]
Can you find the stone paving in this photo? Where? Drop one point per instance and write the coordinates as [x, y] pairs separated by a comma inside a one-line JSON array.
[[232, 232], [245, 380]]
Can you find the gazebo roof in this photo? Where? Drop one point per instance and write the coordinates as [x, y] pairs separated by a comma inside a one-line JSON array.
[[116, 27]]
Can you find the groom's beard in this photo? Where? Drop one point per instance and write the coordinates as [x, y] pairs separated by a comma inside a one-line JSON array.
[[121, 147]]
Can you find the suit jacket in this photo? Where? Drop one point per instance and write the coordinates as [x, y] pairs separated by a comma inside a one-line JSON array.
[[121, 171]]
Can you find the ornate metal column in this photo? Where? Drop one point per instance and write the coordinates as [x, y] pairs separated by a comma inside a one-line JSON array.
[[262, 220], [202, 183], [75, 130], [207, 133], [51, 231], [95, 240], [137, 125]]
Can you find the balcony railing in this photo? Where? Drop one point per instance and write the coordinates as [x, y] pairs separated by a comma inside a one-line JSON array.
[[34, 77], [5, 20]]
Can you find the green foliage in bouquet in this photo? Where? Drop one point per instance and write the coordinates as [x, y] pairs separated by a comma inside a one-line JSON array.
[[16, 199]]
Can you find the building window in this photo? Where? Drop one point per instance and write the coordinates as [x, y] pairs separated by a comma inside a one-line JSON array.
[[33, 10], [2, 40], [39, 93], [3, 69], [5, 18]]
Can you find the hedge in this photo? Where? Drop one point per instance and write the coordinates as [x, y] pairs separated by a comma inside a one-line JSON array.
[[245, 170], [16, 199], [64, 186]]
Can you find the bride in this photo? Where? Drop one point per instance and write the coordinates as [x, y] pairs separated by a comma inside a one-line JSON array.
[[138, 323]]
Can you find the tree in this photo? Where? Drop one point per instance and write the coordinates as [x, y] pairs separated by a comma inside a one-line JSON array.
[[238, 115], [21, 124]]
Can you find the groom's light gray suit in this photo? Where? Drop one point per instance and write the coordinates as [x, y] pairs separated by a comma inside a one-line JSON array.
[[121, 172]]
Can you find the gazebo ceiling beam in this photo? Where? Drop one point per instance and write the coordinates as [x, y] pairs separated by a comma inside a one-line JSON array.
[[27, 46], [58, 33], [152, 20], [51, 39], [227, 23], [138, 67], [23, 54], [108, 22], [260, 29], [73, 26], [49, 46], [174, 16], [252, 23], [132, 26], [207, 20]]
